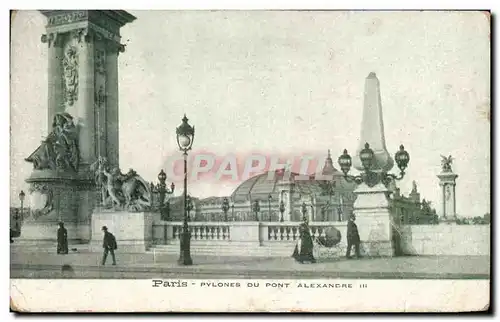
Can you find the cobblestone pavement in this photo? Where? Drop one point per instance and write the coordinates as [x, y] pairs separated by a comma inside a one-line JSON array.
[[146, 265]]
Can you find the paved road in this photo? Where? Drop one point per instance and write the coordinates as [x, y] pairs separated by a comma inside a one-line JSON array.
[[86, 265]]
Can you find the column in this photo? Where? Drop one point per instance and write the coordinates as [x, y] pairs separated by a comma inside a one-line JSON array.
[[85, 102], [443, 199], [112, 113], [54, 75], [454, 202]]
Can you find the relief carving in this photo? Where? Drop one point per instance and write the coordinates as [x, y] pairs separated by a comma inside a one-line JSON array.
[[100, 96], [70, 67], [448, 192], [48, 200], [100, 61]]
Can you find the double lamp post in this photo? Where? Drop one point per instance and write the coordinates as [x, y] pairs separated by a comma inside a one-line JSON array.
[[372, 173]]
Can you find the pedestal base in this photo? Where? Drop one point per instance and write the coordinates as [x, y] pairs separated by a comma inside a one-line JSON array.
[[133, 230], [46, 232], [185, 250], [374, 221]]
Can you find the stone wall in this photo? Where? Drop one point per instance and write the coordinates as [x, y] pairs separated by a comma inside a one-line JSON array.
[[446, 239]]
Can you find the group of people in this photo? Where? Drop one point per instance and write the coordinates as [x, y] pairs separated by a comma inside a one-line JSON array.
[[303, 251], [108, 244]]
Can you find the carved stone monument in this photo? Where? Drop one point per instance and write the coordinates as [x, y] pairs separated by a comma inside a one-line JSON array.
[[83, 48], [372, 205], [447, 181]]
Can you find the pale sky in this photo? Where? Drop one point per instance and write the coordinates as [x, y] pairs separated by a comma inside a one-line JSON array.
[[284, 82]]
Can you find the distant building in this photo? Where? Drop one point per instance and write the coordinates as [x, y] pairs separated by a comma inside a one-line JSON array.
[[325, 201], [410, 210]]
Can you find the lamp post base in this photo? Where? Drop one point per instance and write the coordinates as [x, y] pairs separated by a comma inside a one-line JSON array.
[[185, 254]]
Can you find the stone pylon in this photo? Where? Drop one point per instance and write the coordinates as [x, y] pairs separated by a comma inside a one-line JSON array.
[[83, 48], [447, 182], [372, 205]]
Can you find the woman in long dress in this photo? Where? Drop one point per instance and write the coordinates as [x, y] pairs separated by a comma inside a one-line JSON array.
[[62, 239], [303, 251]]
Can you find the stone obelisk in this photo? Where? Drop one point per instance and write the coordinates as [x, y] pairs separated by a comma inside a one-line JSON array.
[[83, 48], [372, 205]]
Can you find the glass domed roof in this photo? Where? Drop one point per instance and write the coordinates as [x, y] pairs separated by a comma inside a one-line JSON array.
[[261, 186]]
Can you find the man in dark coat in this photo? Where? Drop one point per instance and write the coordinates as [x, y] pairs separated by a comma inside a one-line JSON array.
[[352, 237], [304, 253], [62, 239], [109, 245]]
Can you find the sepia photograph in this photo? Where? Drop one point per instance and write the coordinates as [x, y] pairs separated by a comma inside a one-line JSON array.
[[270, 160]]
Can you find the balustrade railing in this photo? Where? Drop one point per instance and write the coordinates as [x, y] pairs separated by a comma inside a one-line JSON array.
[[252, 232], [203, 231], [290, 231]]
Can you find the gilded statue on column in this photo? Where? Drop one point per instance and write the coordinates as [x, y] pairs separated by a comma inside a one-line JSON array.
[[446, 163]]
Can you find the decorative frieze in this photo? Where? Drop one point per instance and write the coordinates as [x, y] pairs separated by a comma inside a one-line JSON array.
[[104, 32], [66, 18]]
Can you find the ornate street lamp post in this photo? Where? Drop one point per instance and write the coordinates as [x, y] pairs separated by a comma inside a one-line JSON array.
[[256, 209], [371, 178], [189, 207], [162, 190], [232, 212], [269, 198], [225, 208], [304, 211], [22, 195], [185, 137], [282, 210]]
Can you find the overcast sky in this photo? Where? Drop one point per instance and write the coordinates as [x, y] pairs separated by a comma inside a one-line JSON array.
[[284, 83]]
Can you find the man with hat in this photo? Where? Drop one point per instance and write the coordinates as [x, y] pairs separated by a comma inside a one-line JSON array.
[[109, 245], [352, 237]]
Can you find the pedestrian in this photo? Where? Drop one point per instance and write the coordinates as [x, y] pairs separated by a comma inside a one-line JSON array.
[[352, 237], [62, 239], [303, 251], [109, 245]]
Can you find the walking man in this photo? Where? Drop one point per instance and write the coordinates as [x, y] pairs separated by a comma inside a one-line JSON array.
[[109, 245], [352, 237]]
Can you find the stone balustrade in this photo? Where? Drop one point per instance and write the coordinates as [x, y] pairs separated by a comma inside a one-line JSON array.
[[257, 233], [290, 231], [204, 231]]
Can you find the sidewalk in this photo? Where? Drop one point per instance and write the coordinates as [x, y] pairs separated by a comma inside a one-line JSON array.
[[146, 265]]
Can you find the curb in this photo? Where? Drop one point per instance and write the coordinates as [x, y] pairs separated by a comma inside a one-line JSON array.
[[252, 273]]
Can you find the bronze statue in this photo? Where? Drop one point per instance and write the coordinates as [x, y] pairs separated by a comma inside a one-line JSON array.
[[121, 191], [446, 163], [59, 151]]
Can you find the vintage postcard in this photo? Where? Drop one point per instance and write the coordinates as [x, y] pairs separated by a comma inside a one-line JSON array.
[[250, 161]]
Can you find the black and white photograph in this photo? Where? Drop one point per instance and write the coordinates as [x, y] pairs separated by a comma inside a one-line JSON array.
[[248, 154]]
